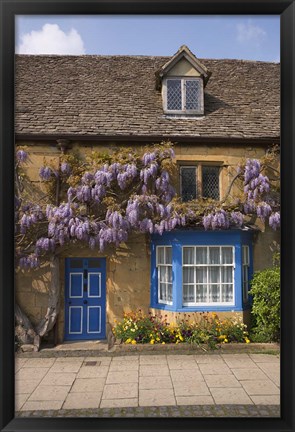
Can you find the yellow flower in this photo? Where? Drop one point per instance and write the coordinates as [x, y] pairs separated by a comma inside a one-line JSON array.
[[128, 340], [225, 340], [158, 339], [163, 343], [247, 340], [133, 342], [152, 341]]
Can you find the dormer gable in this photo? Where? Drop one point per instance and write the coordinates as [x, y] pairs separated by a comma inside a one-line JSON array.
[[182, 80]]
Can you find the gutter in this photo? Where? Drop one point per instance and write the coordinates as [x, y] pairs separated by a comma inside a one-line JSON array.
[[150, 139]]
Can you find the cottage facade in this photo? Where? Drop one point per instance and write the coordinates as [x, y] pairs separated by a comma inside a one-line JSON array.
[[216, 112]]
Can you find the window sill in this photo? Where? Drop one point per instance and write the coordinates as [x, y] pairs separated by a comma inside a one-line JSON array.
[[185, 309], [184, 116]]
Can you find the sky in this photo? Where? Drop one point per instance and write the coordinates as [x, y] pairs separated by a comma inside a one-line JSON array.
[[228, 37]]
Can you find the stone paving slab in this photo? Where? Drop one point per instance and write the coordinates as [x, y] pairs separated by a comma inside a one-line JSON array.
[[145, 383], [58, 379], [93, 371], [156, 397], [148, 382], [120, 391], [153, 370], [222, 381], [25, 386], [231, 396], [260, 387], [119, 377], [191, 389], [82, 385], [249, 374], [39, 363], [82, 400], [49, 393]]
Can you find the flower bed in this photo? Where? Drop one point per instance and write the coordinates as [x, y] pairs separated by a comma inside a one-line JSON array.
[[138, 328]]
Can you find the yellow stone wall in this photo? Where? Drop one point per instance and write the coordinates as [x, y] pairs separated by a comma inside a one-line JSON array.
[[128, 267]]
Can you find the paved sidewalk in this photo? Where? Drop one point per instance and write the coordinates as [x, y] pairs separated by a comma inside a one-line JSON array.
[[136, 382]]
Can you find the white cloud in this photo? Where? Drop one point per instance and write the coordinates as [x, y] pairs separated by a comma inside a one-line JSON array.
[[51, 40], [250, 33]]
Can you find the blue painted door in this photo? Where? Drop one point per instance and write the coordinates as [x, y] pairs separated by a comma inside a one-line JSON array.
[[85, 299]]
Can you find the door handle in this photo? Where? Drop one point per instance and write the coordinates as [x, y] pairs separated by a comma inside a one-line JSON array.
[[85, 301]]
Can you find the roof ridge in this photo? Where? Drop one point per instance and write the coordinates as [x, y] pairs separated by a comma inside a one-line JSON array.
[[139, 56]]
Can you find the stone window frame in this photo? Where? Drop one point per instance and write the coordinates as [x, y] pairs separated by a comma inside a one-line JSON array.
[[199, 175]]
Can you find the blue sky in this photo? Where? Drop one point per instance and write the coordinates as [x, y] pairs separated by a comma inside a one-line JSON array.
[[239, 37]]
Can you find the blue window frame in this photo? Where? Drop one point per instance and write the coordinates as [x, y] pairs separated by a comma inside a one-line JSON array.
[[208, 271]]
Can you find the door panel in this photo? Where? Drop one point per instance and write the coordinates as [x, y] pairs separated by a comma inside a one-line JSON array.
[[76, 285], [94, 285], [85, 298], [75, 320], [93, 319]]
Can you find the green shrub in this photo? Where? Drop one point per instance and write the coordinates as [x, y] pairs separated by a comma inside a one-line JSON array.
[[265, 289]]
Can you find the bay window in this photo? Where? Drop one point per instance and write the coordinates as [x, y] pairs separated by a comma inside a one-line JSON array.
[[196, 270]]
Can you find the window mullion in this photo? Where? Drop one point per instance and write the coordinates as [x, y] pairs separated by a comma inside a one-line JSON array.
[[183, 96]]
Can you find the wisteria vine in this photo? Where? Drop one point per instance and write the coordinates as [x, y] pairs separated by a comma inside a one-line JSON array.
[[130, 193]]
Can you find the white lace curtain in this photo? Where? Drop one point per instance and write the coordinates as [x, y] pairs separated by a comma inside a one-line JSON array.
[[208, 274]]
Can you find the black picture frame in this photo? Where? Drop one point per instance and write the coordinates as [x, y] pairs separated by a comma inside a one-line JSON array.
[[10, 8]]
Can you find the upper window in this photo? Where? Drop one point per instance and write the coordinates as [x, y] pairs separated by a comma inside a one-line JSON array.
[[199, 181], [183, 96]]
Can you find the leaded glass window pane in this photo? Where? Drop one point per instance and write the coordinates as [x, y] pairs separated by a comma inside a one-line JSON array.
[[210, 182], [174, 98], [193, 90], [188, 183]]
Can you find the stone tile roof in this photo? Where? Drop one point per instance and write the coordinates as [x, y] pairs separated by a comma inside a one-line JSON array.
[[116, 96]]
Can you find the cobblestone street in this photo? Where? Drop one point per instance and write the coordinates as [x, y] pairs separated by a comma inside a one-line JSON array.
[[149, 385]]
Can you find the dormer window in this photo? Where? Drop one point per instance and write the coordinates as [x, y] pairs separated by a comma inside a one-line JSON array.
[[182, 80], [183, 95]]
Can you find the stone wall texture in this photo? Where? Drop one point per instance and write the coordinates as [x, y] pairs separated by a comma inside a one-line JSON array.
[[128, 267]]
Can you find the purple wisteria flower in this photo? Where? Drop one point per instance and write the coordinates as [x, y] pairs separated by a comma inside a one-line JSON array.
[[65, 168], [45, 173], [275, 220], [21, 156]]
